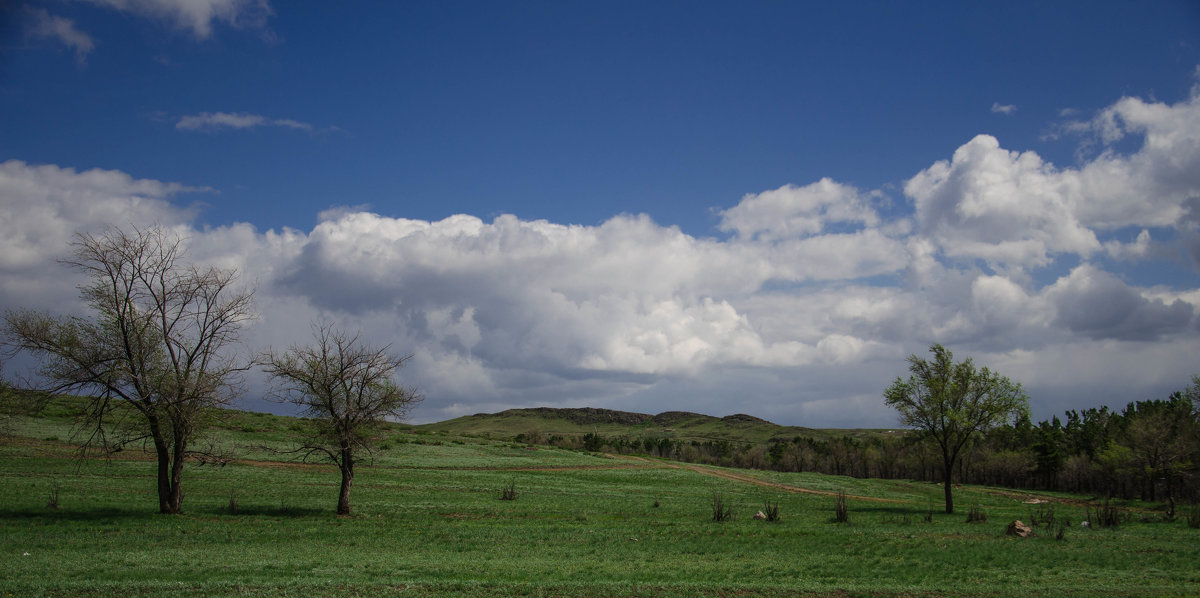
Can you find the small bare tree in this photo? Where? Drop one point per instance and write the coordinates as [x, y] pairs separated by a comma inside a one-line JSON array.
[[157, 343], [346, 387]]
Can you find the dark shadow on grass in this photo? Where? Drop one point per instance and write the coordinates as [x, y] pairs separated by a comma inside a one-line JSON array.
[[106, 514], [890, 510], [121, 515], [265, 511]]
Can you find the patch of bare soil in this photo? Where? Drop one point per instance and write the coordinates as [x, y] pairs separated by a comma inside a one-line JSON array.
[[292, 465], [531, 468], [737, 477], [1036, 499]]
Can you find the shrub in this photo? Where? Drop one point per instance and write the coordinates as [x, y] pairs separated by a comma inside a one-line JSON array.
[[840, 514], [1193, 518], [1107, 515], [771, 510], [509, 492], [721, 511], [285, 508], [53, 502], [976, 515], [1103, 516], [1043, 515], [233, 501]]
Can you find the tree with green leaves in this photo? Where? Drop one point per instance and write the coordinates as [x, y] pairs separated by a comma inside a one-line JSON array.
[[950, 403], [347, 388], [158, 342]]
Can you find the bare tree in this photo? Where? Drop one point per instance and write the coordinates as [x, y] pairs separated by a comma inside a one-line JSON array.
[[348, 390], [953, 402], [157, 343]]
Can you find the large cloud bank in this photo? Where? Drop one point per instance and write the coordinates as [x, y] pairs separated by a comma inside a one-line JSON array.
[[801, 312]]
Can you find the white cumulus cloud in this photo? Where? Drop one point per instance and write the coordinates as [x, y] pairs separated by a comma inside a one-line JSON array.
[[43, 206], [792, 212], [1001, 206]]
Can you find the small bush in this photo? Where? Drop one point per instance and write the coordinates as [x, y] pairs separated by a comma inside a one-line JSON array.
[[53, 502], [771, 510], [285, 508], [656, 504], [233, 502], [976, 515], [1043, 515], [1106, 515], [721, 511], [1193, 518], [509, 492], [840, 514]]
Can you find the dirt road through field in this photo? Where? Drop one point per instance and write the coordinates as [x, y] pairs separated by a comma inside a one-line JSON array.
[[737, 477]]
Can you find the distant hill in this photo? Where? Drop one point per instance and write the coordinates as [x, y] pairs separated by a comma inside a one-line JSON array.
[[683, 425]]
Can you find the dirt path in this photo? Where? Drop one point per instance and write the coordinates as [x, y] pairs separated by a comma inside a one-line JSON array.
[[1039, 499], [526, 467], [737, 477]]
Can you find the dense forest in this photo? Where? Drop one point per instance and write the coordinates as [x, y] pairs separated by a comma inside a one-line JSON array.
[[1148, 450]]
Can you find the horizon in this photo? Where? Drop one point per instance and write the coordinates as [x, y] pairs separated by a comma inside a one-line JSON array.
[[759, 209]]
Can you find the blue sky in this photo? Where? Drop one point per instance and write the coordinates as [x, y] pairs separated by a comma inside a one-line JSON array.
[[641, 205]]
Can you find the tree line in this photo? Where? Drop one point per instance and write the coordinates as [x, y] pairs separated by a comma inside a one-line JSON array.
[[972, 425], [1148, 450]]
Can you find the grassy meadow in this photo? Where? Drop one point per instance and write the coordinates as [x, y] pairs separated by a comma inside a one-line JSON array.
[[428, 519]]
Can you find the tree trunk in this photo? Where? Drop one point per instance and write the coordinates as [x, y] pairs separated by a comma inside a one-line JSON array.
[[168, 492], [166, 505], [176, 497], [347, 467], [949, 473]]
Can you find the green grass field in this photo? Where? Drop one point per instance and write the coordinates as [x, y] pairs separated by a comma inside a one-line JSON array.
[[428, 520]]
